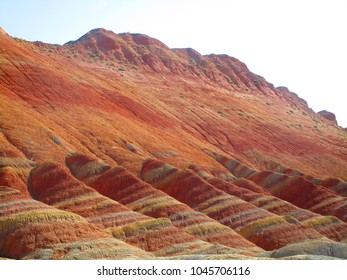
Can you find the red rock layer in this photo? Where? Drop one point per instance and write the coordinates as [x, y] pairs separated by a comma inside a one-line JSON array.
[[329, 116], [124, 97], [31, 229], [337, 185], [274, 166], [294, 189], [120, 185], [303, 193], [14, 167], [328, 226], [104, 90], [262, 227], [54, 185]]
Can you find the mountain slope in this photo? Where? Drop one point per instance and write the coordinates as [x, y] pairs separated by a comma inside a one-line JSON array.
[[203, 131]]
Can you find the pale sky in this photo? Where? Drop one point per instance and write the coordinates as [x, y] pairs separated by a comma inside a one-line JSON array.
[[298, 44]]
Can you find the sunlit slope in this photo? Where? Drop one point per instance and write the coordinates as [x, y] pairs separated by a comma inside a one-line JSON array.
[[116, 146], [67, 99]]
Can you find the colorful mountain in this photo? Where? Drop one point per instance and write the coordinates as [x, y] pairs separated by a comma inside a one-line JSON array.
[[114, 146]]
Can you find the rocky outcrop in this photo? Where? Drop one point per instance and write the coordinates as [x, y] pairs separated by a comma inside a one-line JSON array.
[[328, 115]]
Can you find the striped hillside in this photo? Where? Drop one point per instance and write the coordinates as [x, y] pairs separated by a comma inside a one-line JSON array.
[[154, 235], [328, 226], [337, 185], [121, 185], [14, 167], [33, 230], [294, 189], [260, 226]]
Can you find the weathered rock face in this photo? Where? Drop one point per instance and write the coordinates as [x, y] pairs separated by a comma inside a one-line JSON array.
[[328, 115], [116, 146]]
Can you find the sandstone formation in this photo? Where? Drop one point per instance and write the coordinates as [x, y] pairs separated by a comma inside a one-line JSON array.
[[120, 185], [53, 185], [114, 146], [329, 116], [33, 230], [263, 228]]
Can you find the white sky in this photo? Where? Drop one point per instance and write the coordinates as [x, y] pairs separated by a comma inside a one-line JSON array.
[[298, 44]]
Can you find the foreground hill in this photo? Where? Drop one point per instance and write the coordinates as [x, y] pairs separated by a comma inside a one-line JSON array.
[[162, 152]]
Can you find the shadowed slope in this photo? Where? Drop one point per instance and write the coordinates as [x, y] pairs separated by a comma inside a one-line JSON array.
[[31, 229], [336, 185]]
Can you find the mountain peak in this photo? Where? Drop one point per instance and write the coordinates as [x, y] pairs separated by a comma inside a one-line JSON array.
[[95, 38], [100, 30], [142, 39], [99, 35]]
